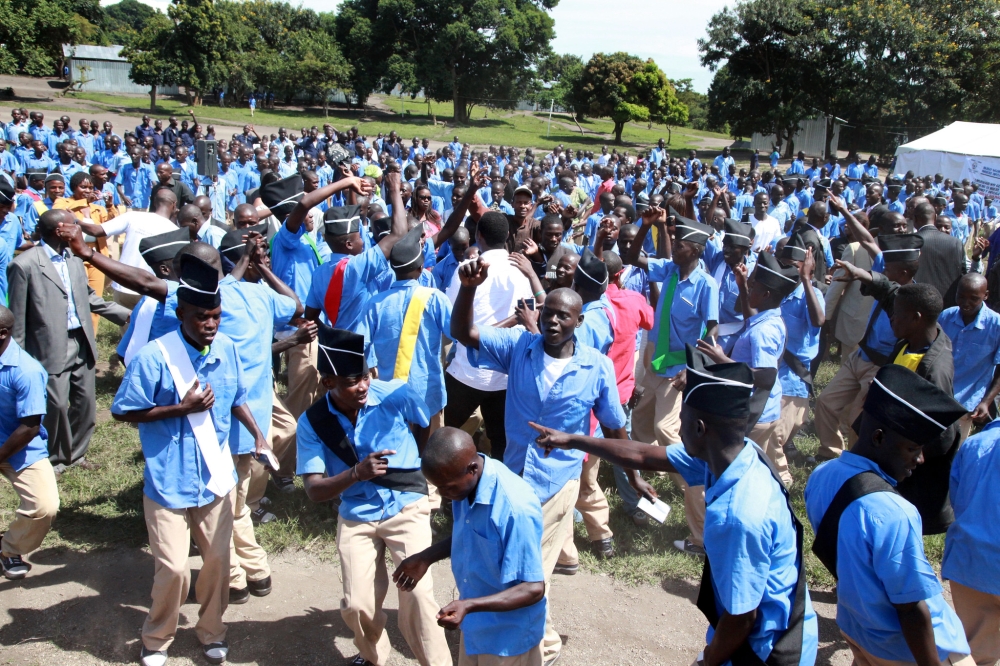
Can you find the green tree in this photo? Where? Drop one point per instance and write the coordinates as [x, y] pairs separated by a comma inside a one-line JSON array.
[[372, 41], [124, 20], [626, 88], [149, 52], [469, 51], [196, 46], [317, 67], [560, 73], [760, 52]]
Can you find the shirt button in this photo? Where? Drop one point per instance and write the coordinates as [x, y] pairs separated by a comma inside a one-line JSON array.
[[466, 521]]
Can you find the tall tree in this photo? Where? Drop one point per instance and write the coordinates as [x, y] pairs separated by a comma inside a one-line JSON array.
[[371, 40], [150, 54], [626, 88], [196, 46], [470, 51], [560, 73], [760, 52], [317, 67]]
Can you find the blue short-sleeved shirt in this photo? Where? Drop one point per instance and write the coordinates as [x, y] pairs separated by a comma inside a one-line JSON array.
[[596, 330], [730, 311], [880, 562], [587, 384], [972, 547], [751, 542], [445, 270], [383, 423], [250, 313], [496, 543], [976, 350], [137, 183], [382, 326], [695, 303], [293, 260], [175, 474], [22, 394], [881, 338], [360, 284], [802, 339], [760, 345]]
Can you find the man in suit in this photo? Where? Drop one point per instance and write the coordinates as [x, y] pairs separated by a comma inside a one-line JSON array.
[[942, 258], [52, 305]]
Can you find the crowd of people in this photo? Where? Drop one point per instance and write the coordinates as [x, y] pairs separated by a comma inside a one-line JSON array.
[[485, 326]]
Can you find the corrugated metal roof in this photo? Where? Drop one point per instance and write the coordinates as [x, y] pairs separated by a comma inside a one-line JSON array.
[[88, 52]]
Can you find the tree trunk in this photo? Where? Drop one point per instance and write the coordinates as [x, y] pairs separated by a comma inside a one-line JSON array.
[[188, 97], [829, 135], [461, 110], [669, 135], [152, 98], [326, 105], [618, 131]]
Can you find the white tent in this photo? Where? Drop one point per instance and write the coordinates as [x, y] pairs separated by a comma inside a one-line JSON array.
[[960, 150]]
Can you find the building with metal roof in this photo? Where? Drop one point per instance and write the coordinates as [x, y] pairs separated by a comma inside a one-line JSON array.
[[103, 69]]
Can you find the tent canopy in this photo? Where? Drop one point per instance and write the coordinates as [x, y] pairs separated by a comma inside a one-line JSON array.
[[947, 150]]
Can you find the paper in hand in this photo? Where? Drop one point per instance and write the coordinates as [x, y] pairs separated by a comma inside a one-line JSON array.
[[267, 457], [657, 510]]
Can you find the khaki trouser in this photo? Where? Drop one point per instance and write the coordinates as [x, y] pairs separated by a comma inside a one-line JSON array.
[[863, 657], [965, 427], [765, 435], [843, 397], [170, 532], [247, 560], [980, 615], [557, 523], [593, 504], [281, 436], [304, 386], [38, 497], [657, 419], [794, 412], [532, 657], [361, 547]]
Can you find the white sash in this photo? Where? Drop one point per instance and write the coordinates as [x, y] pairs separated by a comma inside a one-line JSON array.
[[222, 477], [140, 330]]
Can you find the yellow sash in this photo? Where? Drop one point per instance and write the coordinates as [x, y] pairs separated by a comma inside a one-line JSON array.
[[411, 328]]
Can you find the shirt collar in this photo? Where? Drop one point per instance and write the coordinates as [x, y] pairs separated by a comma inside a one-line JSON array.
[[403, 284], [766, 314], [52, 254], [736, 470], [863, 464], [980, 320], [12, 355], [486, 488]]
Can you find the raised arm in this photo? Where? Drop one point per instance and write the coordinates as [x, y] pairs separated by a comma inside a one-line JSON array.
[[463, 328], [477, 179], [861, 234], [399, 227], [317, 196], [650, 216], [816, 313], [136, 279]]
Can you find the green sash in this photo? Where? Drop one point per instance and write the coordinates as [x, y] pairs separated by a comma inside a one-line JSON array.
[[663, 358], [311, 243]]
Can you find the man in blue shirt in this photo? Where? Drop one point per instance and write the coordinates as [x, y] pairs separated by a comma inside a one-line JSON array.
[[970, 549], [553, 379], [688, 309], [361, 442], [135, 181], [761, 343], [804, 313], [183, 390], [495, 551], [24, 454], [974, 331], [889, 603], [753, 590]]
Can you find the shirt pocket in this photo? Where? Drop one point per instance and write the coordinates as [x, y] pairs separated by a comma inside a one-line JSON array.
[[485, 551]]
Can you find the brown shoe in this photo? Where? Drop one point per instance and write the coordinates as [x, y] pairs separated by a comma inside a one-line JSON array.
[[83, 463]]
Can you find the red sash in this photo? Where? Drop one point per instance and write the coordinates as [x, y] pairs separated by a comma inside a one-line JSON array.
[[334, 292]]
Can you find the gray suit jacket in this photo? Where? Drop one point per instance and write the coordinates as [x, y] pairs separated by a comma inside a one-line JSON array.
[[38, 300]]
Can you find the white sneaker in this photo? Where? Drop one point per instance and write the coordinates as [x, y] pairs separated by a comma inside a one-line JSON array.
[[150, 658]]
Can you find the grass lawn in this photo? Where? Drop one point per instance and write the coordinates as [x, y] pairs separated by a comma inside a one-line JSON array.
[[103, 509], [488, 126]]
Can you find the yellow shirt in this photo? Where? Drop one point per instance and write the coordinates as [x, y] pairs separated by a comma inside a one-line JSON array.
[[908, 361]]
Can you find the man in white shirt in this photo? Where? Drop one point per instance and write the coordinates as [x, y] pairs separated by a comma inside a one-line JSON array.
[[766, 229], [136, 225], [467, 386]]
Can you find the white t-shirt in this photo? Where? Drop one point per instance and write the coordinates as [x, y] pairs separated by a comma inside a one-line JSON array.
[[552, 370], [136, 225], [766, 232], [495, 300]]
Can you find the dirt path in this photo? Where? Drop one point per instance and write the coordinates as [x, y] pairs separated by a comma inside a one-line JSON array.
[[88, 609]]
